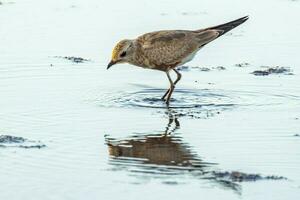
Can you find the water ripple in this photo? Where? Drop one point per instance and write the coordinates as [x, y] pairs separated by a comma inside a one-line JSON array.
[[194, 103]]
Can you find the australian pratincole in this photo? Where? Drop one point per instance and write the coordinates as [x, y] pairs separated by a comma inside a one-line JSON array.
[[167, 49]]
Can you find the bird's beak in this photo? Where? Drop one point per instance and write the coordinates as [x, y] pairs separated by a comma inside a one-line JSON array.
[[111, 63]]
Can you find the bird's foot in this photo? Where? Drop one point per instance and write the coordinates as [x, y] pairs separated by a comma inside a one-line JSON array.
[[165, 95]]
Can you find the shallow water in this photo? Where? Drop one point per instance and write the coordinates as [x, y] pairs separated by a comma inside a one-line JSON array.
[[108, 135]]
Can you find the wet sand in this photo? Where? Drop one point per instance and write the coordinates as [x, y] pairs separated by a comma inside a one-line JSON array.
[[70, 129]]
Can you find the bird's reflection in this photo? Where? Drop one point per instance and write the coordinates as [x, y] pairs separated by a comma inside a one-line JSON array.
[[165, 148], [163, 153]]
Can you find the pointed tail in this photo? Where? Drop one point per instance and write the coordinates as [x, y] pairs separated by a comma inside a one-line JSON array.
[[224, 28]]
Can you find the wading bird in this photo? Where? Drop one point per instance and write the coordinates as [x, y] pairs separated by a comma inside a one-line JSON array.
[[167, 49]]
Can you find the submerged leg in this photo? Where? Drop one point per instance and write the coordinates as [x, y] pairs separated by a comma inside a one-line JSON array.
[[172, 86], [176, 81]]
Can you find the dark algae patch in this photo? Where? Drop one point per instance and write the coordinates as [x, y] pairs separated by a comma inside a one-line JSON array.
[[245, 64], [237, 176], [183, 68], [20, 142], [202, 69], [74, 59], [272, 70], [220, 68], [11, 139]]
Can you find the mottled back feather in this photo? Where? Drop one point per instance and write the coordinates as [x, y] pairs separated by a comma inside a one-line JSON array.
[[167, 49]]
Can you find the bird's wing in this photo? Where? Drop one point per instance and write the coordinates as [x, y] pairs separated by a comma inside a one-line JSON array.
[[169, 48], [206, 36]]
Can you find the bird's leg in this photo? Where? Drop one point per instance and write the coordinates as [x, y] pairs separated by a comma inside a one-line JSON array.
[[176, 81], [172, 86], [163, 97], [178, 76]]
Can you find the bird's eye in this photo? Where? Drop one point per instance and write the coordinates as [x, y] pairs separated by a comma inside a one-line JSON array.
[[123, 54]]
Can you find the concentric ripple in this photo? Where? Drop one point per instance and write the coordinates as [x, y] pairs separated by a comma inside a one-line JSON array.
[[195, 103], [151, 98]]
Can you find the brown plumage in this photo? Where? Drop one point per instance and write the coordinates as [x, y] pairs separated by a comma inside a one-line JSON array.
[[165, 50]]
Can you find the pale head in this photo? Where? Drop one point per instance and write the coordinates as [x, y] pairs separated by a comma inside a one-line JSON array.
[[122, 53]]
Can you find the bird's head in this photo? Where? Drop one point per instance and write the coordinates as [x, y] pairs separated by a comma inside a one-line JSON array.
[[122, 53]]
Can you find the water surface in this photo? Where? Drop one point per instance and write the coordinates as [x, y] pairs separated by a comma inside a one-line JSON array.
[[107, 134]]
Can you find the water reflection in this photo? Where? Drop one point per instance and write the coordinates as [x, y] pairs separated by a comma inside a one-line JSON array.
[[164, 156], [164, 148]]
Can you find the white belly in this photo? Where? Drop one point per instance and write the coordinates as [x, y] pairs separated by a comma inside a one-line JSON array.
[[188, 58]]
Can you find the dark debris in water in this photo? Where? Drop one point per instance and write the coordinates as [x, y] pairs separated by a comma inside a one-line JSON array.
[[170, 182], [245, 64], [220, 68], [197, 114], [237, 176], [272, 70], [74, 59], [11, 139], [20, 142], [297, 135], [183, 68], [202, 69]]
